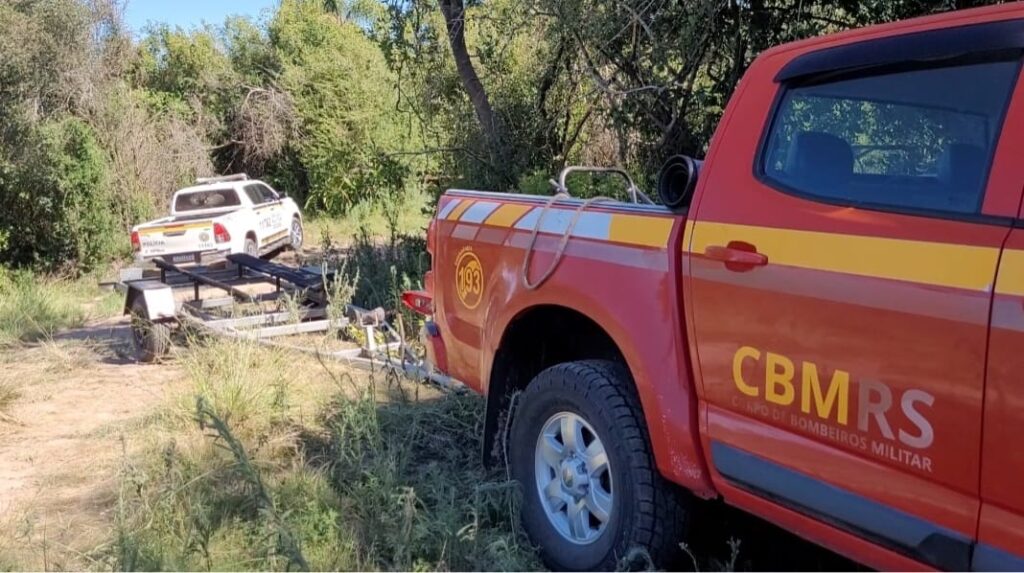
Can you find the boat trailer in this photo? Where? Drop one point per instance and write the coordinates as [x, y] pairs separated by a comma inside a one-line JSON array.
[[233, 301]]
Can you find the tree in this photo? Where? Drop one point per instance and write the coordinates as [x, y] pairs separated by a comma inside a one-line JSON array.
[[454, 12]]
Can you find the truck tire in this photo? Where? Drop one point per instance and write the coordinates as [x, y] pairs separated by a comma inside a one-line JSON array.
[[605, 499], [250, 247], [150, 340], [295, 234]]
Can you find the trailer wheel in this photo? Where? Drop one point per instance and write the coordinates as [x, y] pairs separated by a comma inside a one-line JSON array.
[[591, 491], [150, 340]]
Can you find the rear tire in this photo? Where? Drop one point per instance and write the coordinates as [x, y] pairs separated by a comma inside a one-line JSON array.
[[150, 340], [641, 510], [250, 248]]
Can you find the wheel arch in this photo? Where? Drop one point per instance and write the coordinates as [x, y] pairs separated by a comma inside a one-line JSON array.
[[251, 235], [548, 333], [538, 337]]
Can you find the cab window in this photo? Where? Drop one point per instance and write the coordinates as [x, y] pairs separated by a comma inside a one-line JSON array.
[[255, 194], [919, 139], [267, 193], [209, 199]]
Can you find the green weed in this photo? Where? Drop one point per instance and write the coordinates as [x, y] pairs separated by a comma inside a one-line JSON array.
[[294, 464], [33, 307]]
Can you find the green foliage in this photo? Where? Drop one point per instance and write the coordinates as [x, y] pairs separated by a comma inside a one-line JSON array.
[[34, 307], [344, 97], [44, 52], [371, 476], [77, 145], [418, 496], [185, 63], [249, 50], [58, 209]]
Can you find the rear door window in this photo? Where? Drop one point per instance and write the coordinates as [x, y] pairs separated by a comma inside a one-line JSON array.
[[268, 194], [255, 194], [210, 199], [915, 139]]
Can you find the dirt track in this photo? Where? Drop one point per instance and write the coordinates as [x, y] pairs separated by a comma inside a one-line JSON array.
[[62, 441]]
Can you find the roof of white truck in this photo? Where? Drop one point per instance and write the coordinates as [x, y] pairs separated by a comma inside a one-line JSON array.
[[210, 183]]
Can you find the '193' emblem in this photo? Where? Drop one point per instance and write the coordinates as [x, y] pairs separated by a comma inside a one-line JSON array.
[[469, 278]]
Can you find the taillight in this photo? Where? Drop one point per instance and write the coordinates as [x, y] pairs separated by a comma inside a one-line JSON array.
[[418, 301], [136, 244], [220, 234]]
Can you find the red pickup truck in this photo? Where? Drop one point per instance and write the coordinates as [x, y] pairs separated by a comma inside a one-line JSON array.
[[822, 323]]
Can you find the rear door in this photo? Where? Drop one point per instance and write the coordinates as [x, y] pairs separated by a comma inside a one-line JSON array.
[[268, 211], [839, 288]]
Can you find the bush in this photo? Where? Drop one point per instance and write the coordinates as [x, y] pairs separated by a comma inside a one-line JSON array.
[[384, 271], [346, 105], [58, 210]]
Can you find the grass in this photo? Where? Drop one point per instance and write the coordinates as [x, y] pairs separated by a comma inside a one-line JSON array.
[[377, 221], [271, 460], [34, 307], [8, 394]]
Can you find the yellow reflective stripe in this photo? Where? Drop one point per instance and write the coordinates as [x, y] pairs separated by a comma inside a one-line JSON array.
[[687, 234], [277, 235], [173, 228], [941, 264], [507, 215], [1011, 273], [639, 230], [458, 211]]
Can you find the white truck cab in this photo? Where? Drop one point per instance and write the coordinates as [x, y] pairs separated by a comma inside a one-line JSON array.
[[220, 216]]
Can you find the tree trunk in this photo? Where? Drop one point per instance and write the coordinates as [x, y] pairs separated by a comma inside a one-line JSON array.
[[454, 18]]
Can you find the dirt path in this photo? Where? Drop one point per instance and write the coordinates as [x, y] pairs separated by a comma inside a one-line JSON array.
[[62, 441]]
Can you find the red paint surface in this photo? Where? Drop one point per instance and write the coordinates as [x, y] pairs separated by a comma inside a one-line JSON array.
[[679, 320]]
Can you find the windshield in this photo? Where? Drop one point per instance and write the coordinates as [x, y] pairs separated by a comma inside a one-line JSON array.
[[210, 199]]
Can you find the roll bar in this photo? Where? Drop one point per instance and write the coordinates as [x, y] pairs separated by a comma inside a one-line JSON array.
[[634, 192]]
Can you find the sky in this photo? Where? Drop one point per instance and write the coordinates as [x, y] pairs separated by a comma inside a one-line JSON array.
[[190, 13]]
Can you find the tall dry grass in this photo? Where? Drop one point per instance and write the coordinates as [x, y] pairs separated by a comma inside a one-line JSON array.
[[271, 461]]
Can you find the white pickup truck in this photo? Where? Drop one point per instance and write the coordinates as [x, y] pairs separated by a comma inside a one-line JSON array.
[[220, 216]]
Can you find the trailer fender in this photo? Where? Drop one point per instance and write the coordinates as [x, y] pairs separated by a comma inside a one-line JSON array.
[[157, 297]]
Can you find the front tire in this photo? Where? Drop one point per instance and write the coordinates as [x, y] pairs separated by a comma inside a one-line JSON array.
[[295, 234], [591, 491]]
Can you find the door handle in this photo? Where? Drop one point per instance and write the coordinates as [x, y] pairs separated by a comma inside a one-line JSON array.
[[734, 256]]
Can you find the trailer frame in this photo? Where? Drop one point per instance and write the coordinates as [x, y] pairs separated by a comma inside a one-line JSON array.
[[175, 297]]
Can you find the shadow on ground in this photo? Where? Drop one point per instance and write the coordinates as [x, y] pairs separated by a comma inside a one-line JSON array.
[[111, 341]]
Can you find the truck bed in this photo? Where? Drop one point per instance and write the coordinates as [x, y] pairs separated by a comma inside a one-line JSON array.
[[619, 270]]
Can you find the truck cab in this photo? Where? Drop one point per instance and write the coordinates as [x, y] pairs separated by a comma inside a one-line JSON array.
[[820, 324]]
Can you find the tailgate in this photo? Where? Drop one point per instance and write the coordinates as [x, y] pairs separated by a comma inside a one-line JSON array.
[[172, 238]]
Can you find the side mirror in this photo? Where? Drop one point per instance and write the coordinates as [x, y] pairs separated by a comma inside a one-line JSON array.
[[677, 181]]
